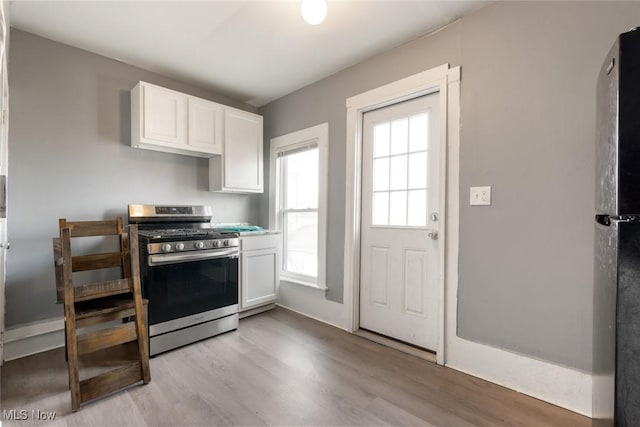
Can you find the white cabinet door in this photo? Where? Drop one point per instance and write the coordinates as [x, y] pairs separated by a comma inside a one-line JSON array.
[[165, 120], [242, 162], [259, 277], [164, 115], [205, 125]]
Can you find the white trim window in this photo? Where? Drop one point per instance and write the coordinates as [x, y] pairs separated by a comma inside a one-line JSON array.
[[298, 203]]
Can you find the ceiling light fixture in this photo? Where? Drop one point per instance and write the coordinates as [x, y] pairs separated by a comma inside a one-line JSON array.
[[314, 11]]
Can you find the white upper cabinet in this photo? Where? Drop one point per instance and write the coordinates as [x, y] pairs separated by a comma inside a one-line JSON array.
[[164, 113], [240, 167], [243, 150], [166, 120], [174, 122], [205, 125]]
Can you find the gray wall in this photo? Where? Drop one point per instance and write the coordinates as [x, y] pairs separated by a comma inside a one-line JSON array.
[[69, 156], [528, 116], [324, 101]]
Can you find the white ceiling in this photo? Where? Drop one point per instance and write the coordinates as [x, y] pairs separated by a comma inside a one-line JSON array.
[[254, 51]]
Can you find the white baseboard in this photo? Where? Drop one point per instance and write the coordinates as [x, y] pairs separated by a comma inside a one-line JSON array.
[[254, 311], [32, 338], [312, 303], [559, 385], [312, 317]]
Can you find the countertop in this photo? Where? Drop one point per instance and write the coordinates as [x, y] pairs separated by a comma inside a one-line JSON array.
[[237, 228], [258, 233]]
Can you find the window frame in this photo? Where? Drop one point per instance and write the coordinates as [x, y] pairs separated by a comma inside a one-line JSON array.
[[317, 135]]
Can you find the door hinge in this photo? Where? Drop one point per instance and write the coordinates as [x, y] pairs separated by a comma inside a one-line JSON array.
[[4, 117]]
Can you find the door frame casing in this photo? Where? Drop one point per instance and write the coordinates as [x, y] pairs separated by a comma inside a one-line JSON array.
[[431, 81], [4, 160]]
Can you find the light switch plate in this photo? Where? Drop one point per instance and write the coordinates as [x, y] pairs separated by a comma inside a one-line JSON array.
[[480, 196]]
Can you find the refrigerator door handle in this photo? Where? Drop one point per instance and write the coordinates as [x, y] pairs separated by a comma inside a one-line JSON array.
[[603, 220], [611, 65]]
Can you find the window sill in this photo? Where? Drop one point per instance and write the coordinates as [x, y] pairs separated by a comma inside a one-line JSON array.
[[304, 283]]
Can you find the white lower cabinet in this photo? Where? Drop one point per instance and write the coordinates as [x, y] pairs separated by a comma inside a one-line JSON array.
[[259, 270]]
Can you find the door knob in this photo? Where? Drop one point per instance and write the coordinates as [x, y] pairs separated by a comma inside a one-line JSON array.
[[5, 245], [433, 235]]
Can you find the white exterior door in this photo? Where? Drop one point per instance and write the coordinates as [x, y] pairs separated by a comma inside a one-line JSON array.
[[400, 208]]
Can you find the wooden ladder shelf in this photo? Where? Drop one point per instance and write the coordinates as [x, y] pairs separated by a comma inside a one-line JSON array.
[[88, 308]]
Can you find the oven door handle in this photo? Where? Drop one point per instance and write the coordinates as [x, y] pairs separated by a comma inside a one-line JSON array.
[[162, 259]]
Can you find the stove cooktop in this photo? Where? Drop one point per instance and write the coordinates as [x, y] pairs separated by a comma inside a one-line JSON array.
[[186, 233]]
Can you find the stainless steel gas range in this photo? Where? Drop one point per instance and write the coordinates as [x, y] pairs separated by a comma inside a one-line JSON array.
[[189, 274]]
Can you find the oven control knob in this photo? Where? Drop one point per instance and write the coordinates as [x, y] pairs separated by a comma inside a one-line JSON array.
[[226, 243], [180, 246], [199, 245], [166, 247], [216, 243]]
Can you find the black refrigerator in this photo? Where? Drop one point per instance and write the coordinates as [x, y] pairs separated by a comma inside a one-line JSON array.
[[616, 315]]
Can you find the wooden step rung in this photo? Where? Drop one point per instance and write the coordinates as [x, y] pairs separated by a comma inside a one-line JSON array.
[[111, 381], [99, 311], [96, 261], [106, 316], [102, 289], [105, 338], [94, 228]]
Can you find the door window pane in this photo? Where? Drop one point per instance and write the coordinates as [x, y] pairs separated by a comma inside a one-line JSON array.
[[417, 208], [398, 173], [380, 214], [418, 170], [301, 242], [399, 135], [381, 174], [418, 132], [381, 139], [398, 208]]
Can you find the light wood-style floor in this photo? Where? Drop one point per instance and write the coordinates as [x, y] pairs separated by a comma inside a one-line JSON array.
[[280, 368]]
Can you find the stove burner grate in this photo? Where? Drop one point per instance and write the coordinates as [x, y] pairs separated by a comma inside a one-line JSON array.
[[172, 233]]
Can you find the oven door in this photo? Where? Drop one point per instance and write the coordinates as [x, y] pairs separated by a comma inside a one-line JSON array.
[[183, 293]]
